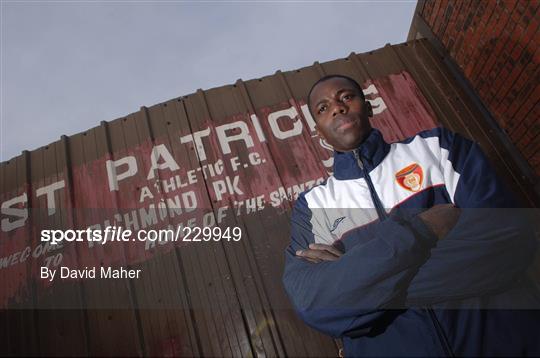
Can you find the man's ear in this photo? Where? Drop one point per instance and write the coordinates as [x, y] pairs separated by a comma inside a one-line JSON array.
[[369, 109]]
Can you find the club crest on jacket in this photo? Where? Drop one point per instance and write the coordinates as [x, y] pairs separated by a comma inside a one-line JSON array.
[[411, 177]]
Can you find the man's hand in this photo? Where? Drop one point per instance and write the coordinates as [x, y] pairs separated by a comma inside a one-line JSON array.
[[441, 218], [319, 253]]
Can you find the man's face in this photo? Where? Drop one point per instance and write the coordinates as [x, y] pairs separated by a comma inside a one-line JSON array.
[[341, 115]]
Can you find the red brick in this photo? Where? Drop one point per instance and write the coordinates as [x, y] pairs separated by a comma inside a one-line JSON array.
[[522, 79], [451, 47], [533, 118], [534, 21], [535, 156], [524, 76], [501, 120], [466, 8], [524, 145], [482, 92], [529, 33], [427, 10], [536, 169], [526, 106], [467, 48], [531, 149], [514, 107], [526, 93], [501, 35], [534, 130], [503, 107], [525, 116], [469, 68], [520, 8], [519, 30], [525, 102], [450, 17], [422, 11], [462, 15], [478, 34], [535, 163], [514, 87], [433, 15], [478, 15], [517, 133], [498, 69], [532, 6], [507, 5], [483, 72], [516, 52], [524, 149], [504, 20], [515, 15], [439, 22], [450, 32], [499, 80], [507, 82]]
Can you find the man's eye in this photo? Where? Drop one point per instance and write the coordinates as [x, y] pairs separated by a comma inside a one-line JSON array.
[[322, 109], [347, 97]]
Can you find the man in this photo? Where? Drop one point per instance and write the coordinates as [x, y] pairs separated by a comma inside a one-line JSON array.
[[401, 251]]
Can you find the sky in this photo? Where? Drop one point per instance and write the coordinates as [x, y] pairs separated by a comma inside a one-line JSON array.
[[67, 65]]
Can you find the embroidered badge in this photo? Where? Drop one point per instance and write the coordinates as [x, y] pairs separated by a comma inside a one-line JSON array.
[[336, 223], [411, 177]]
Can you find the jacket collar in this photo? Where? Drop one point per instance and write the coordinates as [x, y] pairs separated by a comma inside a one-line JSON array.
[[372, 151]]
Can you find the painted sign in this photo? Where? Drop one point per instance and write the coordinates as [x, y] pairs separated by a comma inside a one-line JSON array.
[[186, 179]]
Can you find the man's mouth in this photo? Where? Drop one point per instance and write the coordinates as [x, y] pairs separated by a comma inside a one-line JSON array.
[[346, 123]]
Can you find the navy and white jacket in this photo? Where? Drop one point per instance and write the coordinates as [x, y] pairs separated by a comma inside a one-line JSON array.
[[397, 290]]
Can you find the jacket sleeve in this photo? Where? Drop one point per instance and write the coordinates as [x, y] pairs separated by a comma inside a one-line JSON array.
[[469, 178], [345, 297], [493, 242]]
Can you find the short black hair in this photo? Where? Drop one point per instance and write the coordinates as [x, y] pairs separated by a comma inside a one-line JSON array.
[[329, 77]]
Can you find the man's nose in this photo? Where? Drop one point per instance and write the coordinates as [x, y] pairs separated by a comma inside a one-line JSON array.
[[339, 108]]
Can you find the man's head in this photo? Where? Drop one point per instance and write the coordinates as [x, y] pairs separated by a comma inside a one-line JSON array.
[[340, 111]]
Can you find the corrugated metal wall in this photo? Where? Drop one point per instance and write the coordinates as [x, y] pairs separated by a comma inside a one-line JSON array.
[[496, 46], [240, 154]]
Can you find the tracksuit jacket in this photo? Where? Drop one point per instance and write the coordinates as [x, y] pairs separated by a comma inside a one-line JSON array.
[[397, 290]]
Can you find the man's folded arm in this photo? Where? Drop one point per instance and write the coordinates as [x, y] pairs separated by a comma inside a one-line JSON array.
[[493, 241], [489, 248], [491, 245], [345, 297]]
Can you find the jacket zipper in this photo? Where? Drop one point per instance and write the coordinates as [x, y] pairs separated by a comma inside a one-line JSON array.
[[383, 215], [440, 333], [376, 201]]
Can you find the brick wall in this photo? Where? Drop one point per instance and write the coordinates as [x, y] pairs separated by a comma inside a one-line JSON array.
[[496, 44]]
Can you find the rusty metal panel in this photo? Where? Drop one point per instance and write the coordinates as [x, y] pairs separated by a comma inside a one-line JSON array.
[[18, 325], [233, 156], [121, 338], [47, 166]]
